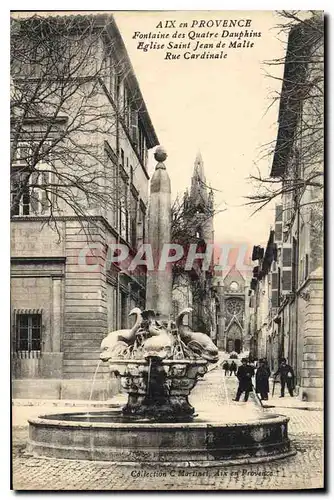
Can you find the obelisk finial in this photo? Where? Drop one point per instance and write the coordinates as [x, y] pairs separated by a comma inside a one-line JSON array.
[[160, 155]]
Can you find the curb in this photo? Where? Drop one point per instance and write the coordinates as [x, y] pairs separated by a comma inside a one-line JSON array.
[[309, 408], [67, 404]]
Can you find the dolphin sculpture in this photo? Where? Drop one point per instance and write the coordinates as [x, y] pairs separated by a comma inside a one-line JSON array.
[[198, 342], [118, 341], [160, 342]]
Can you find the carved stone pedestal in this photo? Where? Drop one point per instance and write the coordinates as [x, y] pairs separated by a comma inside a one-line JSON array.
[[157, 389]]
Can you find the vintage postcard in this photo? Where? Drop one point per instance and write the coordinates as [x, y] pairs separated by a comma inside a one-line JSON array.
[[167, 219]]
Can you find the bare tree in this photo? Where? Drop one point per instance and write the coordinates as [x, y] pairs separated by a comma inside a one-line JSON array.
[[65, 108], [298, 154], [187, 223]]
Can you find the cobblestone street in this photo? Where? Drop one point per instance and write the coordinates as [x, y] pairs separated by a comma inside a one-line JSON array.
[[304, 470]]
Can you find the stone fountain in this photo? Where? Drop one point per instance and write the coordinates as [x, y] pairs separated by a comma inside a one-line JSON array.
[[160, 360]]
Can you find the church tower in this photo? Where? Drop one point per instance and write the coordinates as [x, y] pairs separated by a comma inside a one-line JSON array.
[[201, 212], [202, 200], [193, 288]]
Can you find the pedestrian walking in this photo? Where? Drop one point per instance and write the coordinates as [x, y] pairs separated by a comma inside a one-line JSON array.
[[233, 368], [262, 380], [287, 377], [245, 373], [226, 367]]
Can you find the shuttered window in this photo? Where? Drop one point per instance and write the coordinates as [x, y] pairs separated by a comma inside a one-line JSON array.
[[274, 298], [287, 269], [278, 223], [28, 334], [279, 213], [275, 292], [278, 232], [287, 256], [286, 281], [274, 281]]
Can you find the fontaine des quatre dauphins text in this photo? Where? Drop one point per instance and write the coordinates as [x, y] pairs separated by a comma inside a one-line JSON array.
[[160, 360]]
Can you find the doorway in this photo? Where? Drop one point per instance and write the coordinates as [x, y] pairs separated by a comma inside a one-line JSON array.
[[229, 345], [237, 346]]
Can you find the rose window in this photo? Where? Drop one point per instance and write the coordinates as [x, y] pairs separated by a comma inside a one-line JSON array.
[[234, 306]]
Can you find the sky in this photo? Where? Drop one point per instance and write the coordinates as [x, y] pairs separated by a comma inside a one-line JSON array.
[[217, 107]]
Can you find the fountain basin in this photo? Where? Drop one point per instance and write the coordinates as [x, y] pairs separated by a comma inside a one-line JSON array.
[[158, 388], [111, 436]]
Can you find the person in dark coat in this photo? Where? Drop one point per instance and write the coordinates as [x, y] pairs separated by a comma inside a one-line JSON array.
[[233, 367], [245, 373], [226, 367], [287, 377], [262, 380]]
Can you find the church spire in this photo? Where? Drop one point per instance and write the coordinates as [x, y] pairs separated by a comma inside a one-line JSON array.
[[198, 190], [199, 168], [201, 201]]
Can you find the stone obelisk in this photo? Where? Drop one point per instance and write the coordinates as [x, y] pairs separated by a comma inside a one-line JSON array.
[[159, 280]]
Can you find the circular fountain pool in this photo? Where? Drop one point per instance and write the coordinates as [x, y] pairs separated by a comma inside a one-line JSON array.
[[243, 436]]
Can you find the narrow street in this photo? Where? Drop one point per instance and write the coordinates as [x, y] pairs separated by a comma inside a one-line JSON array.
[[304, 470]]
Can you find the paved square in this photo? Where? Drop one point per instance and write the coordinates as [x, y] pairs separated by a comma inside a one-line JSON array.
[[302, 471]]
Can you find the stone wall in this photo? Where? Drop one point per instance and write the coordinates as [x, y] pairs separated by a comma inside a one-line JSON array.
[[29, 239], [312, 376], [85, 302], [39, 286]]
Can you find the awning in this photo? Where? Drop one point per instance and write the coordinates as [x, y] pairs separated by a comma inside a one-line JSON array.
[[27, 311]]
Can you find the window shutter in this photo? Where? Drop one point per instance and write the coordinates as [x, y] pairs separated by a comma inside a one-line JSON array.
[[278, 223], [287, 256], [278, 232], [279, 213], [286, 281], [274, 298], [274, 290], [274, 281], [134, 126], [286, 268]]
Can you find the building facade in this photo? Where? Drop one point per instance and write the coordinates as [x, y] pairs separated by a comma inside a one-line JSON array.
[[295, 274], [232, 292], [261, 325], [67, 289]]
